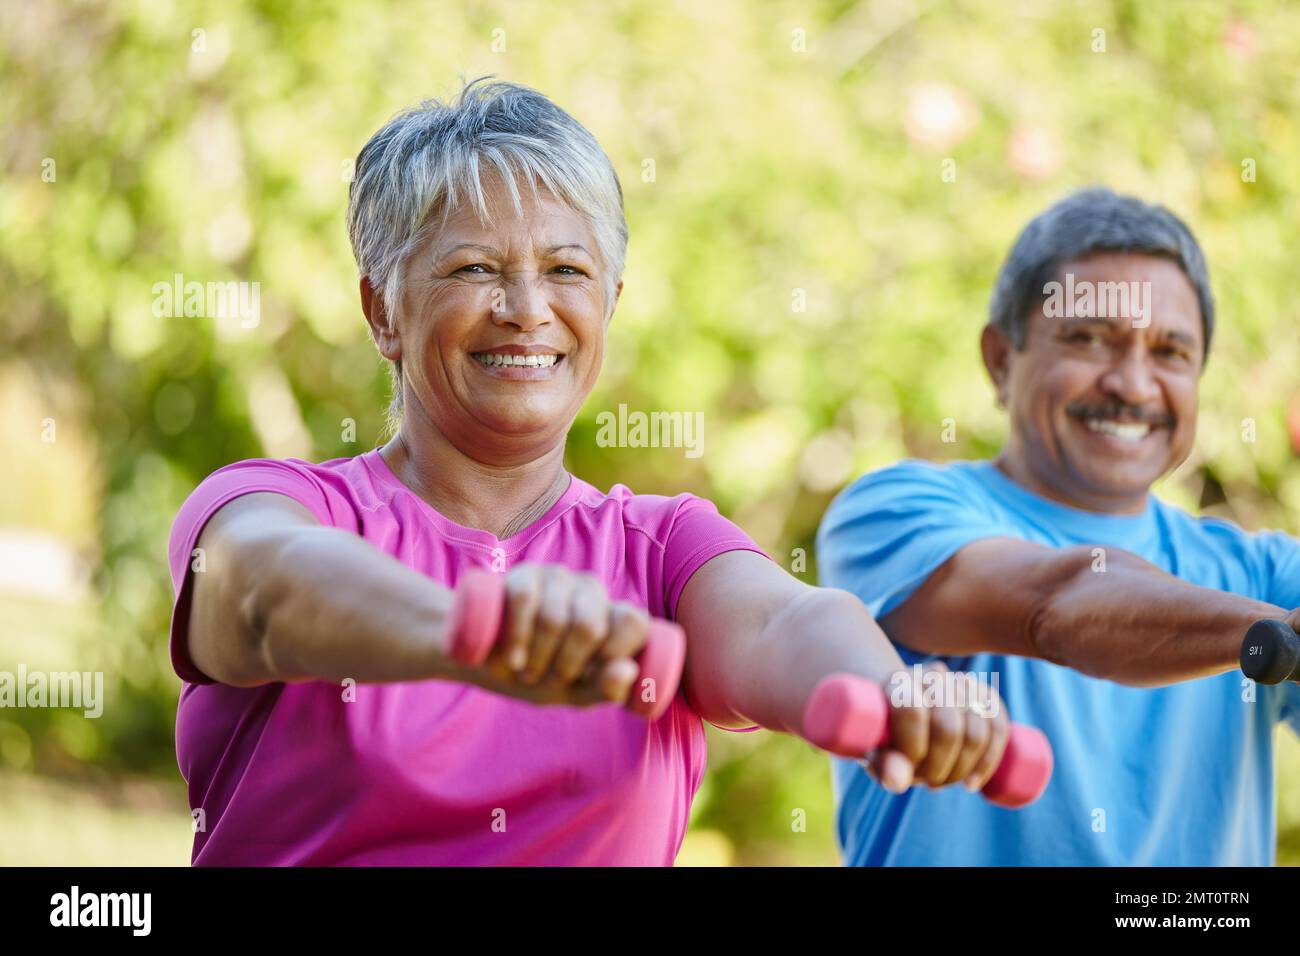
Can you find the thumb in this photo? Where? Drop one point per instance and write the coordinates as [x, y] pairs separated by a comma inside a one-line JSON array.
[[892, 769]]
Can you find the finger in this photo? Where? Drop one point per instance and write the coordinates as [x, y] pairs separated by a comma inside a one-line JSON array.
[[976, 738], [947, 730], [616, 679], [909, 730], [892, 769], [588, 627], [523, 596], [628, 633], [909, 718], [496, 677], [629, 629], [999, 733], [551, 623]]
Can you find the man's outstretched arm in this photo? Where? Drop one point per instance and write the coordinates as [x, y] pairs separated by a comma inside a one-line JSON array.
[[1132, 623]]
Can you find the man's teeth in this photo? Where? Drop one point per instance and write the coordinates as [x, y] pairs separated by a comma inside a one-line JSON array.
[[523, 361], [1125, 431]]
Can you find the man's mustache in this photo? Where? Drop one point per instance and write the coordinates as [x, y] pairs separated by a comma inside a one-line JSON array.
[[1120, 411]]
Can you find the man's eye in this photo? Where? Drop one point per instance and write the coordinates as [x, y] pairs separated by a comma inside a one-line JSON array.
[[1085, 337]]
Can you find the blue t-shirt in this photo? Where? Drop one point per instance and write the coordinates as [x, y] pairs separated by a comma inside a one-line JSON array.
[[1171, 776]]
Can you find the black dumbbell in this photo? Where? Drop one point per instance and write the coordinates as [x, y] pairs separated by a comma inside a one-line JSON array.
[[1270, 654]]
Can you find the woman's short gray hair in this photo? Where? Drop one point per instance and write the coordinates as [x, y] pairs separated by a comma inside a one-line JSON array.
[[427, 162]]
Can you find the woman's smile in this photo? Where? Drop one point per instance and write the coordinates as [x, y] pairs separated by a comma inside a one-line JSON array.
[[516, 363]]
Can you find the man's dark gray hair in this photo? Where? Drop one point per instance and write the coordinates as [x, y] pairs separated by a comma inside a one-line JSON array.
[[1092, 220]]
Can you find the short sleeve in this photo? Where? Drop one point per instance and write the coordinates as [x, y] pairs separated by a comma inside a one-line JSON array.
[[697, 535], [891, 529], [291, 478], [1279, 558]]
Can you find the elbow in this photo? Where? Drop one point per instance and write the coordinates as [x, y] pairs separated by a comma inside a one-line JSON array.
[[1062, 626], [256, 592], [272, 612], [1052, 631], [804, 616], [1042, 638], [830, 603], [1066, 645]]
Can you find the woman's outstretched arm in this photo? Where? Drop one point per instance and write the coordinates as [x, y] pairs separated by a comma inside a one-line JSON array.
[[284, 598], [759, 641]]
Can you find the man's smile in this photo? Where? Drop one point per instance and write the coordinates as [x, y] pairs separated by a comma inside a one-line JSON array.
[[1120, 428]]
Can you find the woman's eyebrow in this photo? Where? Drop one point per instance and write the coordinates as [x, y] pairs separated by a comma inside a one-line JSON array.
[[567, 245], [489, 250], [478, 247]]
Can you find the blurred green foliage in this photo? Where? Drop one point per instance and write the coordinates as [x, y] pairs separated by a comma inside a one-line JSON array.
[[819, 194]]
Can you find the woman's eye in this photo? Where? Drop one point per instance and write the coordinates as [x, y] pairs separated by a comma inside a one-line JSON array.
[[474, 268], [569, 271]]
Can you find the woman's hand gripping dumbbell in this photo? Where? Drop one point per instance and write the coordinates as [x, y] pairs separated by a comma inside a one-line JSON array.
[[848, 715], [555, 630]]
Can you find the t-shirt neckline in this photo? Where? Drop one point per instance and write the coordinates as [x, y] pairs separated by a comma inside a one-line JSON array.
[[1077, 515], [385, 475]]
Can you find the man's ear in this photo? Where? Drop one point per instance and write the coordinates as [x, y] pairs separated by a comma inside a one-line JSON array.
[[996, 349], [384, 332]]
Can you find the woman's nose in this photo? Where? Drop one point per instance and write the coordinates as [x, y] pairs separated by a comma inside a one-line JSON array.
[[521, 301]]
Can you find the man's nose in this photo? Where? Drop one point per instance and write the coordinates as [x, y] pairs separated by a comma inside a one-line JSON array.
[[521, 301], [1131, 378]]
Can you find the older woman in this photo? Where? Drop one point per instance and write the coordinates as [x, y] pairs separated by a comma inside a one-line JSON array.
[[323, 720]]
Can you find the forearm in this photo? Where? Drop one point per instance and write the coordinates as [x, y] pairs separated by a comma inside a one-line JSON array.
[[1136, 624], [320, 603], [822, 631]]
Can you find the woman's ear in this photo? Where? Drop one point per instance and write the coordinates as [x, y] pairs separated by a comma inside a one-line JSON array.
[[382, 329], [618, 291], [996, 349]]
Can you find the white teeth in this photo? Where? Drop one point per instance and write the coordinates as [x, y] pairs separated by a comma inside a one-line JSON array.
[[1124, 431], [498, 359]]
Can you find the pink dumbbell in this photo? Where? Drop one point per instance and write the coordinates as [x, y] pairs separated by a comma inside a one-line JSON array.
[[849, 715], [476, 625]]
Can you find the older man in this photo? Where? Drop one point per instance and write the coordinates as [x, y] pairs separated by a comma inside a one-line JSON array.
[[1111, 619]]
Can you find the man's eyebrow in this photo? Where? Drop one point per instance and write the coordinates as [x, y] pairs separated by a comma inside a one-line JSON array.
[[1172, 335], [1180, 337], [1105, 320]]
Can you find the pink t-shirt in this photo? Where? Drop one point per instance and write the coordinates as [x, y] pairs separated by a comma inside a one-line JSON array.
[[436, 772]]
